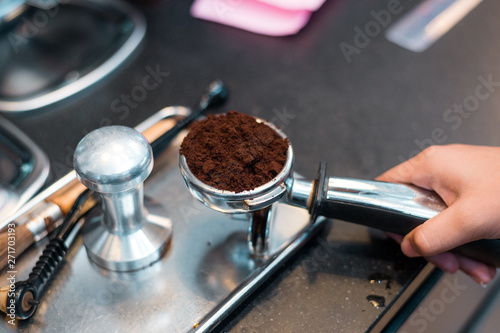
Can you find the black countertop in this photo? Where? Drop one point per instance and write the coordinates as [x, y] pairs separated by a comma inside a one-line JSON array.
[[361, 117]]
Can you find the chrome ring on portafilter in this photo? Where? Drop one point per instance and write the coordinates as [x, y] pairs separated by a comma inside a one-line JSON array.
[[257, 201]]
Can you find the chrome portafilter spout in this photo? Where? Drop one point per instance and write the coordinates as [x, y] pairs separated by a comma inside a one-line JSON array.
[[395, 208], [126, 232]]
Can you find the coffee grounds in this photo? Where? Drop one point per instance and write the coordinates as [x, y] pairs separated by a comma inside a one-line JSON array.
[[234, 152]]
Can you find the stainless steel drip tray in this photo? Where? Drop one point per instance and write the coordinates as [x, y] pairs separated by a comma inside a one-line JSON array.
[[48, 55], [205, 274]]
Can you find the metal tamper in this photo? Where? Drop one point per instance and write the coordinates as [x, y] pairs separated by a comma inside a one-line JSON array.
[[127, 232]]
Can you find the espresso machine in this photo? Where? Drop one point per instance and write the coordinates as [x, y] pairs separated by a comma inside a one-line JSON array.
[[52, 50]]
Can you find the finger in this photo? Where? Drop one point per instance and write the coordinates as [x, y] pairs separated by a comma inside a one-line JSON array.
[[396, 237], [415, 171], [447, 261], [451, 262], [426, 170], [452, 227], [479, 272]]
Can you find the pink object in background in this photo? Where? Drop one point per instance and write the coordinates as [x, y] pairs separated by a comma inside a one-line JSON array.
[[258, 16], [311, 5]]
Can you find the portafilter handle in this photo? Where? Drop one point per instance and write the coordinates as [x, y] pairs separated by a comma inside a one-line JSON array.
[[389, 207]]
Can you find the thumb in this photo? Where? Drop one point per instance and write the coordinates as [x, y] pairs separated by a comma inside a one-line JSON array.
[[444, 232]]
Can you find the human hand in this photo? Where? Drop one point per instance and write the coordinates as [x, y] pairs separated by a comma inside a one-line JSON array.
[[467, 178]]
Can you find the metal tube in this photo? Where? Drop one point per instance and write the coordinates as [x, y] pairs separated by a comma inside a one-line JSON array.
[[300, 193], [124, 210], [258, 232], [391, 207]]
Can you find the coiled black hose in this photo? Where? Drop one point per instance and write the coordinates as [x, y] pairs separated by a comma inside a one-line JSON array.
[[27, 293]]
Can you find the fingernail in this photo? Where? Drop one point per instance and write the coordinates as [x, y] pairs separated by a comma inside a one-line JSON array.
[[408, 249], [483, 278]]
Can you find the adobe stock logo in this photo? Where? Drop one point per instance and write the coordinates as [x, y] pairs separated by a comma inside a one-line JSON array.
[[138, 93], [31, 24], [363, 37], [426, 314]]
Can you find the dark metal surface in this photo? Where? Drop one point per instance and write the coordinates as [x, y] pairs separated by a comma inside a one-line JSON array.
[[362, 116]]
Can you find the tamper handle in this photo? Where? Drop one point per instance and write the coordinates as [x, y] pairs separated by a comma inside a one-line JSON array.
[[113, 162], [390, 207]]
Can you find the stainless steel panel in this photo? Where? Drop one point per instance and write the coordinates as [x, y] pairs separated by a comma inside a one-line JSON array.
[[206, 272]]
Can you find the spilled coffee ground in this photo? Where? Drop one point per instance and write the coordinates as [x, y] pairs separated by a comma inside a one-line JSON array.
[[234, 152]]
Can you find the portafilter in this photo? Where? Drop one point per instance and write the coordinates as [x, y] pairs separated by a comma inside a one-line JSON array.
[[395, 208]]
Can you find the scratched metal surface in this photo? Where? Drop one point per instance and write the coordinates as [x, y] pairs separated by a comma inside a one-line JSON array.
[[207, 260]]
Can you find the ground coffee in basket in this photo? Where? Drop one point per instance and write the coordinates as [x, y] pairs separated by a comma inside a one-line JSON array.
[[234, 152]]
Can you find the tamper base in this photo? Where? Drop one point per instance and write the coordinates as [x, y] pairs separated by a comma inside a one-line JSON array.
[[131, 251]]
